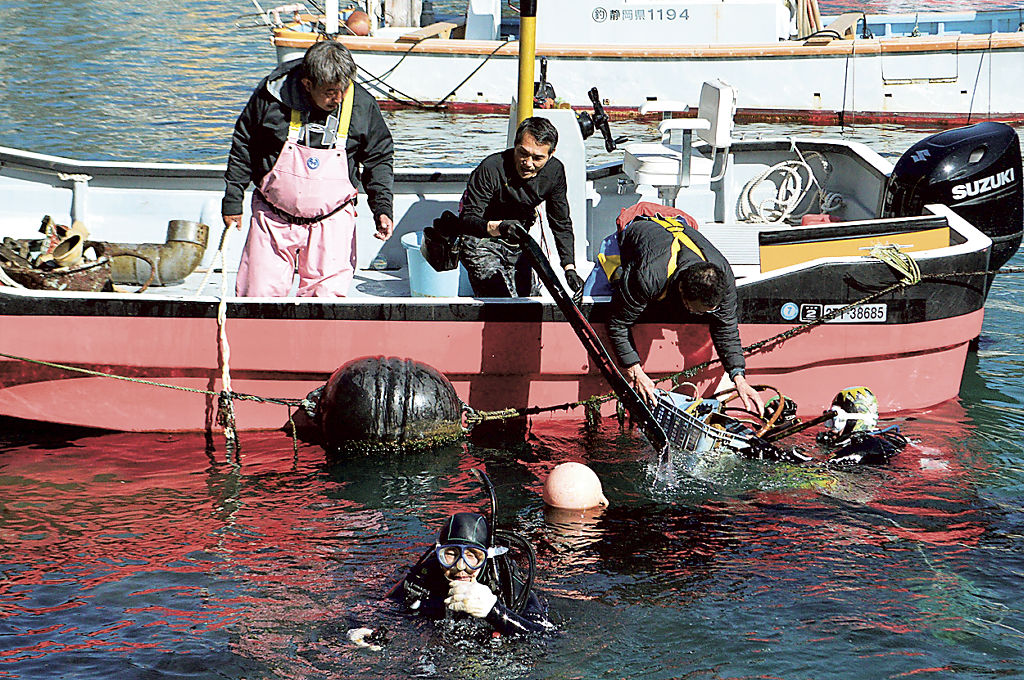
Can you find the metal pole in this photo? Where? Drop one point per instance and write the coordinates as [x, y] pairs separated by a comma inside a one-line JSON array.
[[527, 55]]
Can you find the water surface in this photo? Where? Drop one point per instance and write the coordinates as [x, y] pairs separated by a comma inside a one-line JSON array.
[[149, 556]]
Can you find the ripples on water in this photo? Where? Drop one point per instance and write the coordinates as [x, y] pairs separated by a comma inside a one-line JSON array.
[[145, 556], [136, 556]]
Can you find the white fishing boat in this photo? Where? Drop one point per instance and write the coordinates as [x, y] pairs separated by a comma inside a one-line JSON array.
[[787, 62], [807, 260]]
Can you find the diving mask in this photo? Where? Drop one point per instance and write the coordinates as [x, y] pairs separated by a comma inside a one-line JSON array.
[[471, 556]]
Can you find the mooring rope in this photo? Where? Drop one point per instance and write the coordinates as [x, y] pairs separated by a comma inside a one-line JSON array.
[[225, 406], [899, 262], [592, 403], [241, 396]]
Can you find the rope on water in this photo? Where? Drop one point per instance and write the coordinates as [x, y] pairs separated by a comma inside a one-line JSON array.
[[241, 396], [592, 403]]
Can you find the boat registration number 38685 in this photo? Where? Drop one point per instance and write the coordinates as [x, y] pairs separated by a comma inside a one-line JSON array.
[[601, 14], [873, 313]]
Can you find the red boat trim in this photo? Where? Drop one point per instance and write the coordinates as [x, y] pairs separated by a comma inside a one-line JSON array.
[[813, 117]]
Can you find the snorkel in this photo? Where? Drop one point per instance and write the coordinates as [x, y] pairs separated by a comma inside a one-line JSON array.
[[489, 487], [503, 571]]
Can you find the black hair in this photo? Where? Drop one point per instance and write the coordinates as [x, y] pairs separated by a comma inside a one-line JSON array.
[[540, 129], [703, 282], [328, 63]]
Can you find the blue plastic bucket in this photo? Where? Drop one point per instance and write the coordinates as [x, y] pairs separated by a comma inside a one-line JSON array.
[[424, 281]]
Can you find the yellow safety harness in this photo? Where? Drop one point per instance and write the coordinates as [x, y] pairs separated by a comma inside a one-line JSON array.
[[344, 118], [612, 264]]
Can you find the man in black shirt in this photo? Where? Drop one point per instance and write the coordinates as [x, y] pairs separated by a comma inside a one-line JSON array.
[[505, 189], [308, 135], [677, 268]]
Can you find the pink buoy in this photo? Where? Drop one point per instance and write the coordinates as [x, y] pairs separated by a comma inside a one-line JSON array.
[[573, 486]]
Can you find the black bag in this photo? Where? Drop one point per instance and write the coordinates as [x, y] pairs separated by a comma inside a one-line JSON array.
[[442, 243]]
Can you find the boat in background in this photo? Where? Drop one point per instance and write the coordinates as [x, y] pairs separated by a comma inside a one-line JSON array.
[[788, 63], [875, 323]]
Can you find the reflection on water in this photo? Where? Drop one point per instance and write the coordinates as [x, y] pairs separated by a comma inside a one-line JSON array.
[[121, 548], [145, 556]]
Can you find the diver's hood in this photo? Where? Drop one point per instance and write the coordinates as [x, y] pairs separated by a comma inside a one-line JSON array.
[[464, 528]]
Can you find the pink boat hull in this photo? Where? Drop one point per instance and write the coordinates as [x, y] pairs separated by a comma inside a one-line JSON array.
[[493, 365]]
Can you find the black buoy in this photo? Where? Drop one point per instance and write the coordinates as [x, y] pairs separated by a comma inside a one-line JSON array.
[[387, 404]]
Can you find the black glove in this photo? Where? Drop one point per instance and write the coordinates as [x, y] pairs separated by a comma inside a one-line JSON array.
[[448, 224], [511, 230], [576, 283]]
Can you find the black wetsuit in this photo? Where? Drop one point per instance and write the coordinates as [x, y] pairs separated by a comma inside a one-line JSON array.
[[863, 448], [645, 247], [426, 594], [495, 191]]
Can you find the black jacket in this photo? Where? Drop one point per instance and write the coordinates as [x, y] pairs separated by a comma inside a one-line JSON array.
[[496, 192], [645, 247], [262, 130], [425, 588]]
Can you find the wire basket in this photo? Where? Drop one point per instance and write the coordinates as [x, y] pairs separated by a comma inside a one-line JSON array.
[[696, 425]]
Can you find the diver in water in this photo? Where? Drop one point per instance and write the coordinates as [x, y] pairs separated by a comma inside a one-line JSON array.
[[465, 572], [470, 572], [852, 436]]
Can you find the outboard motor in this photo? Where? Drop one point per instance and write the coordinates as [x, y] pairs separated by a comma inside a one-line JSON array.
[[976, 171]]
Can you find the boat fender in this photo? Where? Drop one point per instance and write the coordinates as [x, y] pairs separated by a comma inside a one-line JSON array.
[[358, 23], [170, 262], [387, 404]]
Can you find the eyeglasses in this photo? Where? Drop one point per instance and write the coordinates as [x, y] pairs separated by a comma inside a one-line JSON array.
[[449, 556], [695, 307]]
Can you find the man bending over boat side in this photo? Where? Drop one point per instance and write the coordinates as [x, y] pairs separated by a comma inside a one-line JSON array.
[[505, 190], [666, 261], [301, 140]]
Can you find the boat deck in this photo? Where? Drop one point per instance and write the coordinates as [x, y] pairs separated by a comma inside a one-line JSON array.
[[739, 243]]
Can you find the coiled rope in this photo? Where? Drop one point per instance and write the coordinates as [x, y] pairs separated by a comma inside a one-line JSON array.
[[796, 182]]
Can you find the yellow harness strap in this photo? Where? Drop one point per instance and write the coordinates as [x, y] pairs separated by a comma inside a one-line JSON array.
[[612, 263], [295, 124], [679, 241]]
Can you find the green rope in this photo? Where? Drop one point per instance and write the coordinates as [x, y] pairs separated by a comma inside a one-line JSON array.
[[904, 264], [86, 371]]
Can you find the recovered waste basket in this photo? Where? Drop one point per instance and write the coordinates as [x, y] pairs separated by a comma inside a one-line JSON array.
[[424, 281]]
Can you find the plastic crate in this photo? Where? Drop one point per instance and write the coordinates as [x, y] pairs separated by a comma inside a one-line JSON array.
[[696, 425]]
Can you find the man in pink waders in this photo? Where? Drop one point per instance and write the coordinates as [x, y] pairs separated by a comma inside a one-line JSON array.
[[299, 140]]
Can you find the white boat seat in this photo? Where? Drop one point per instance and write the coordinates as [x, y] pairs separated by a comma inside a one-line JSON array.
[[660, 164], [664, 164]]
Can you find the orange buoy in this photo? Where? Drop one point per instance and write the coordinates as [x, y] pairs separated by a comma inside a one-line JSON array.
[[358, 22], [573, 486]]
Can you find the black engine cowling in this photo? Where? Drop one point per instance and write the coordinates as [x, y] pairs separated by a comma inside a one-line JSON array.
[[976, 171]]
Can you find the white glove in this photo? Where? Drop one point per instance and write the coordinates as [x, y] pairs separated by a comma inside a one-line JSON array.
[[359, 635], [471, 597]]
